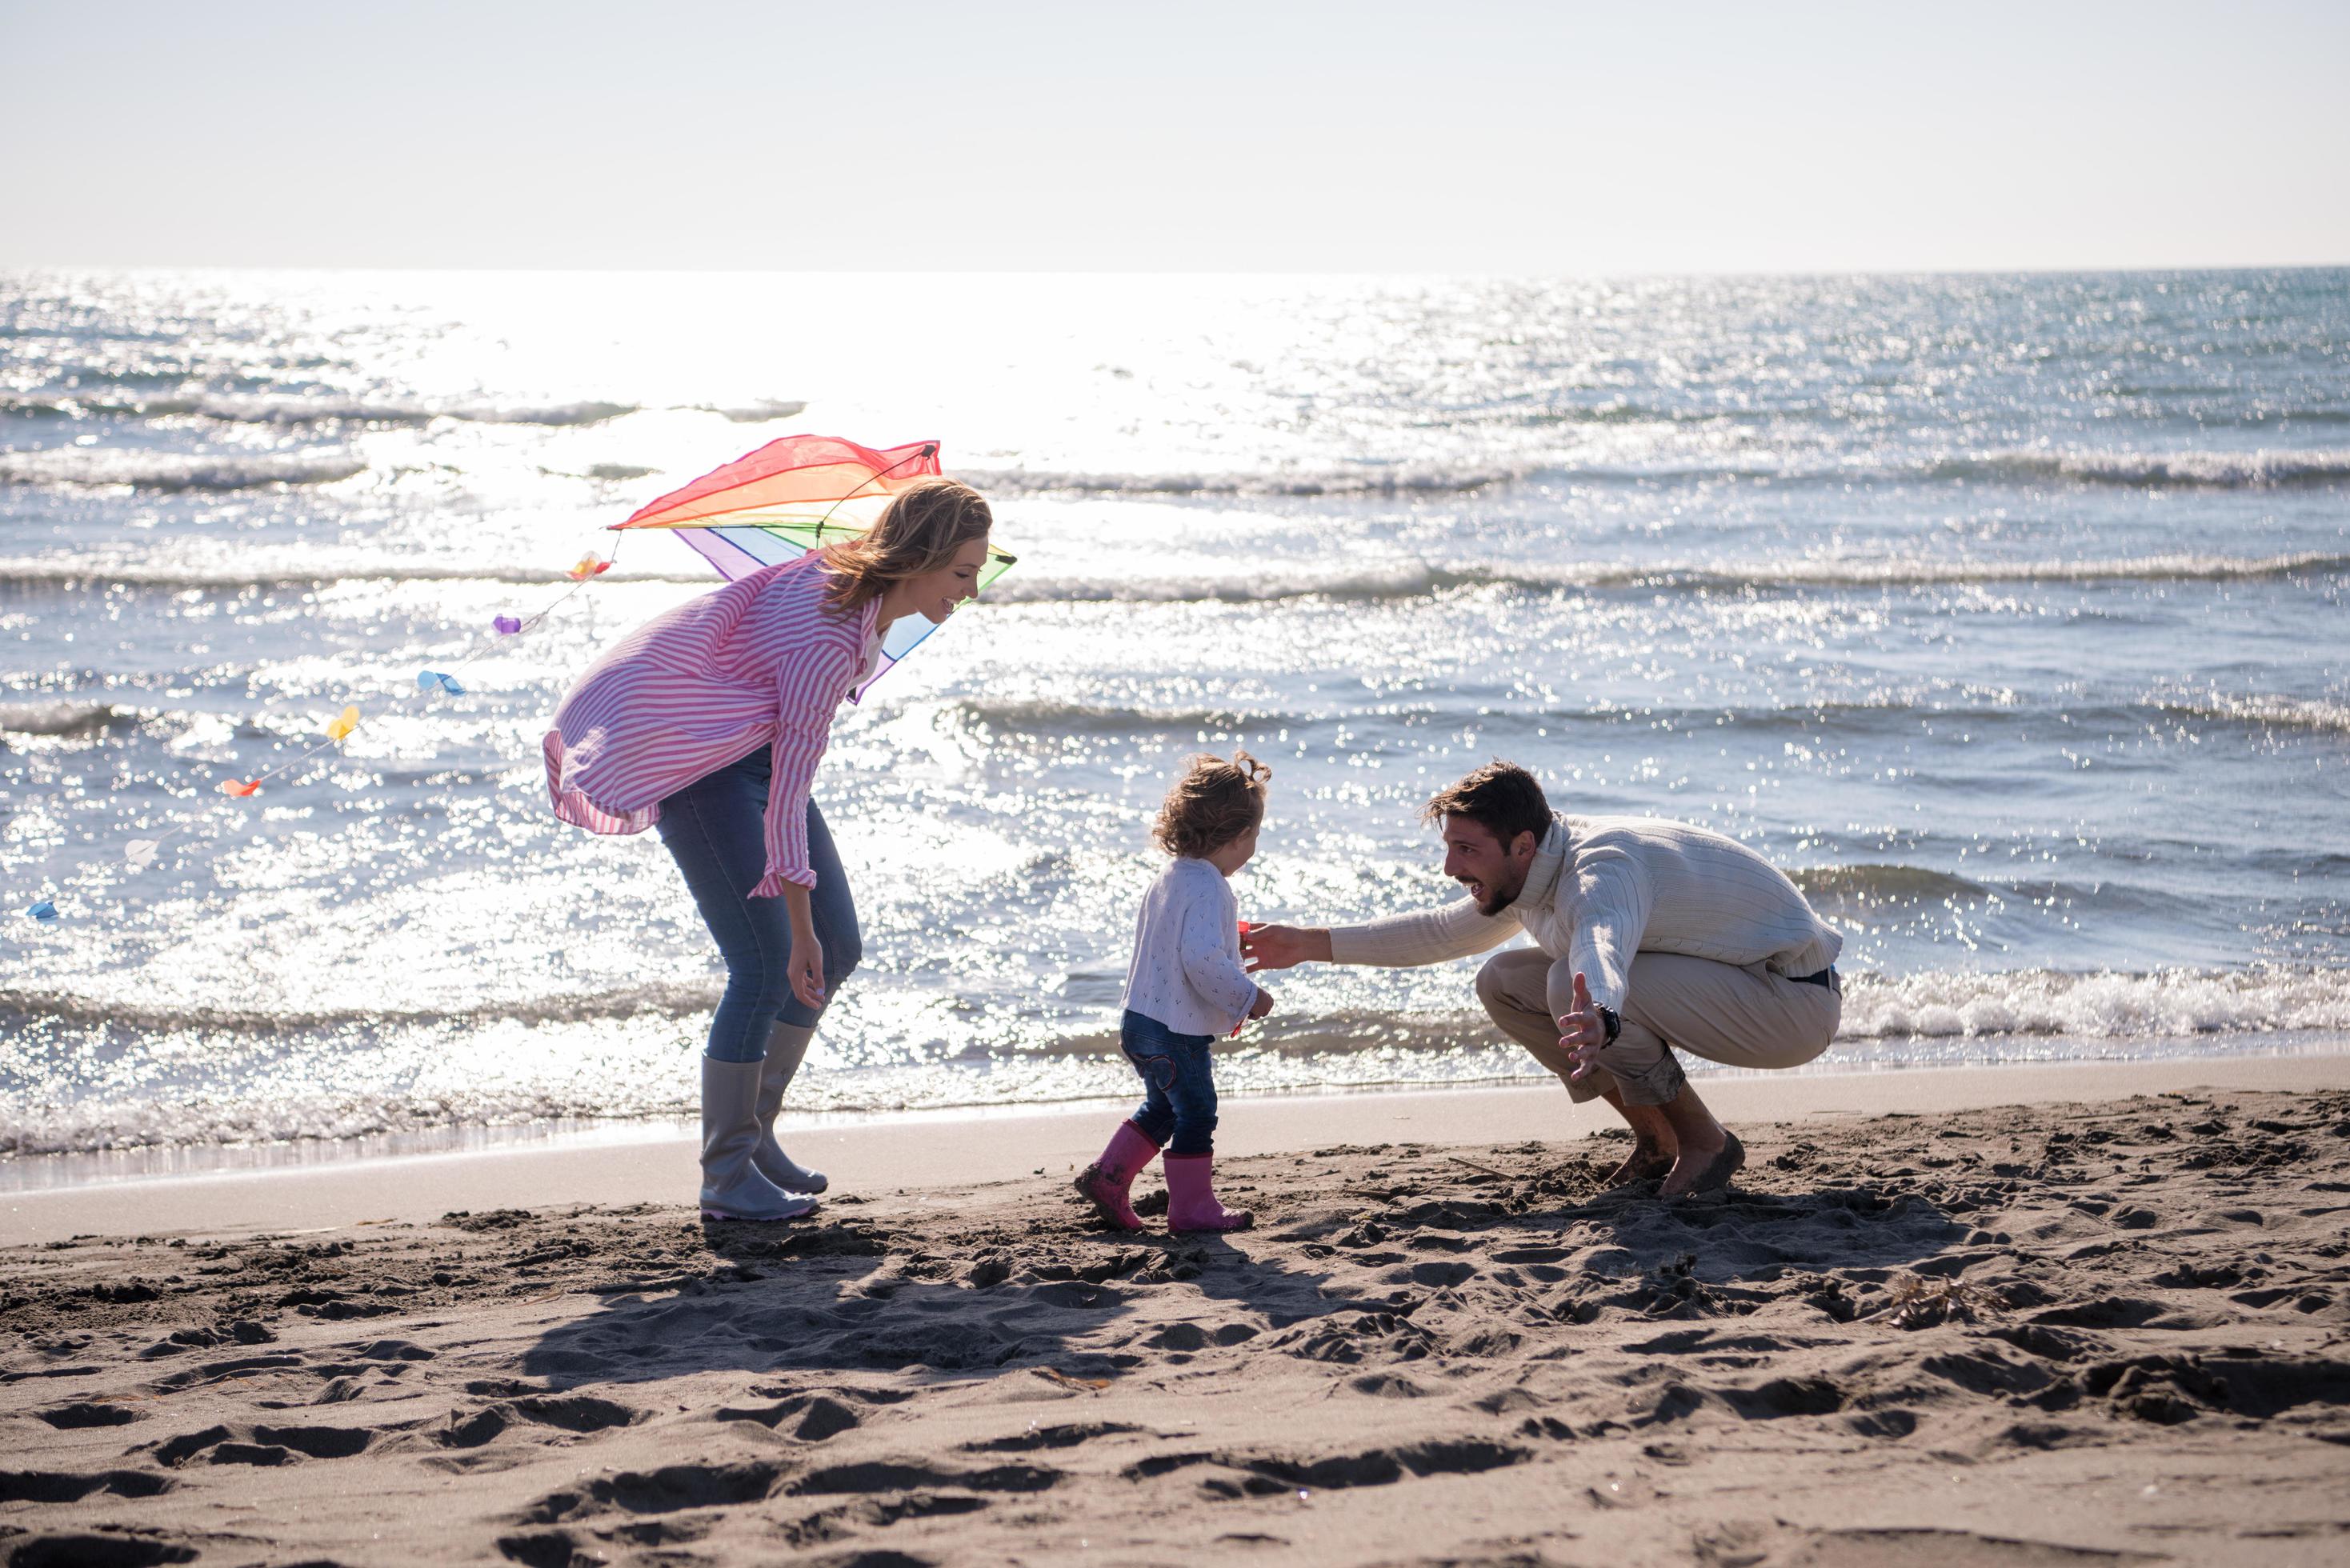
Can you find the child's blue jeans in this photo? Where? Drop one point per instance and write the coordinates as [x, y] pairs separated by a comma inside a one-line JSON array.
[[716, 827], [1179, 1086]]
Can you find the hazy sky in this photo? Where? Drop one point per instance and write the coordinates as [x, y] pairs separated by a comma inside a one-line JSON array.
[[1458, 137]]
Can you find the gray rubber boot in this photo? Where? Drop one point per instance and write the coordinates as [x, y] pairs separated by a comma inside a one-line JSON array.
[[787, 1046], [732, 1187]]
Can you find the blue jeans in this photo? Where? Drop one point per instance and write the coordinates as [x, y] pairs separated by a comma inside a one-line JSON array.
[[1179, 1086], [716, 829]]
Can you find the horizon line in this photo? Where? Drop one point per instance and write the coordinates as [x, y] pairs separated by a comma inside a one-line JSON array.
[[1595, 275]]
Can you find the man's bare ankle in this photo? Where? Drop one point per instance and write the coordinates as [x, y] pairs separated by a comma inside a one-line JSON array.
[[1702, 1140]]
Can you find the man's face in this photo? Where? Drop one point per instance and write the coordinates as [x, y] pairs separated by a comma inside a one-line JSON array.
[[1476, 859]]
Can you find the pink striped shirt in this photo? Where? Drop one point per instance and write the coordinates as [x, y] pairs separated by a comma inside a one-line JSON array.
[[760, 661]]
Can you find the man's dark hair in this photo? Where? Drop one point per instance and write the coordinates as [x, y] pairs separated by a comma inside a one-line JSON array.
[[1500, 797]]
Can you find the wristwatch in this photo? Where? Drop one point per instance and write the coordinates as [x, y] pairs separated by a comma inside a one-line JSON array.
[[1610, 1022]]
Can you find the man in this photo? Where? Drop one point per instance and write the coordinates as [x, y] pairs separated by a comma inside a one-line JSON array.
[[1648, 935]]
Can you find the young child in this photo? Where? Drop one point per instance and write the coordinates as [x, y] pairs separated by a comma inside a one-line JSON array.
[[1185, 990]]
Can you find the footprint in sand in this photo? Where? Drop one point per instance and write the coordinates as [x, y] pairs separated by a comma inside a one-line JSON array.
[[97, 1552], [811, 1417], [69, 1418], [57, 1486]]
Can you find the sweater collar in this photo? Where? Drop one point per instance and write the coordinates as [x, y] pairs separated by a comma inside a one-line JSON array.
[[1542, 877]]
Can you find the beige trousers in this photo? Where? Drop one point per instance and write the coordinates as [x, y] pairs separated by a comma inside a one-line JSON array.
[[1742, 1016]]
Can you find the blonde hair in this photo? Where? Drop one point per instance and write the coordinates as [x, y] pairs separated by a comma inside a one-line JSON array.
[[919, 532], [1211, 803]]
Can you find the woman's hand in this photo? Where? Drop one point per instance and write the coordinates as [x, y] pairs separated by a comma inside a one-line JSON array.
[[1263, 1004], [807, 969]]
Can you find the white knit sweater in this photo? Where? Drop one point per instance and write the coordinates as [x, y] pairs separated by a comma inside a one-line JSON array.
[[1602, 889], [1186, 971]]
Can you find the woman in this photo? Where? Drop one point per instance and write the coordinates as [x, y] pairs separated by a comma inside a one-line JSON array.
[[708, 722]]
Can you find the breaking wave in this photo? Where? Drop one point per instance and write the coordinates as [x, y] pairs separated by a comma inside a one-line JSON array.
[[2177, 469], [60, 718], [2170, 568], [2028, 1004], [300, 408], [757, 412], [2263, 711], [1875, 884], [667, 1001], [1417, 579], [96, 467], [608, 473], [1390, 481], [2103, 1007], [55, 573], [1011, 720], [238, 1125]]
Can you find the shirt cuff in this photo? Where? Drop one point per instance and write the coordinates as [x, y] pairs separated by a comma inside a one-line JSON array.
[[771, 885]]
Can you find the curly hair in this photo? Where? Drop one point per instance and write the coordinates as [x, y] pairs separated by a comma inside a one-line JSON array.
[[1213, 801], [921, 531]]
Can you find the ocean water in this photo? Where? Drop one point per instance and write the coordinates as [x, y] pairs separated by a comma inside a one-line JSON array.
[[2006, 612]]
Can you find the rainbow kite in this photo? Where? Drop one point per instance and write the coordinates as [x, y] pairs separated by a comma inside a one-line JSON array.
[[792, 495]]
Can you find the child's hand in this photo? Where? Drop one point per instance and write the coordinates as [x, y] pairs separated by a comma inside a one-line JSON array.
[[1264, 1003]]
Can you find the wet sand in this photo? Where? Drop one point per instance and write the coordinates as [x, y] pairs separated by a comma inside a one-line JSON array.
[[2064, 1334]]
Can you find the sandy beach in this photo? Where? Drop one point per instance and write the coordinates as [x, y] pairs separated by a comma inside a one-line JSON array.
[[2107, 1326]]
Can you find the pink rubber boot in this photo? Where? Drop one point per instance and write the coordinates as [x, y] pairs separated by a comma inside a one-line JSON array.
[[1106, 1182], [1192, 1200]]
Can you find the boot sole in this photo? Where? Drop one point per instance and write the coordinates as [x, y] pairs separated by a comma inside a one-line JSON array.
[[797, 1213], [1247, 1222]]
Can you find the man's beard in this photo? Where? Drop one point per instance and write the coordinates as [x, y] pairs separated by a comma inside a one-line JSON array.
[[1494, 903]]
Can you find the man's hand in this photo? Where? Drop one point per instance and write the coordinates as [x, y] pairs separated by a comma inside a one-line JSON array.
[[1581, 1033], [1283, 947], [1263, 1004]]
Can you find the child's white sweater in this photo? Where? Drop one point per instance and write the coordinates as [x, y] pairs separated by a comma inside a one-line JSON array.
[[1187, 971]]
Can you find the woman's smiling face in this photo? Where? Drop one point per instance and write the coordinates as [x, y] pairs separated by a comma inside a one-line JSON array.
[[935, 595]]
